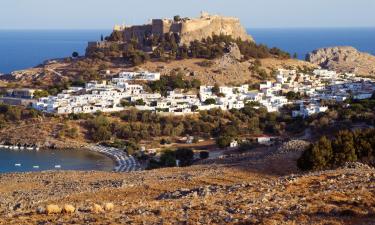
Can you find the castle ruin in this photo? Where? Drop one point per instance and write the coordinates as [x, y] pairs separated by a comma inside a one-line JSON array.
[[188, 29]]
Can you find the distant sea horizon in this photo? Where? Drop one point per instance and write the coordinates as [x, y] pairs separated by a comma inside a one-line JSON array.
[[21, 49]]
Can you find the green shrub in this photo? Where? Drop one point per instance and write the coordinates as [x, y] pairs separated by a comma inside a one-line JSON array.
[[347, 146], [204, 154]]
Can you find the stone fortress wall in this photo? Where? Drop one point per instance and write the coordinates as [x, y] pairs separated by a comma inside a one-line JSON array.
[[189, 29], [207, 25]]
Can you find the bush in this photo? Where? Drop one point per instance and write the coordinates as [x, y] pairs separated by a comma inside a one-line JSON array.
[[40, 94], [164, 141], [99, 129], [75, 54], [185, 156], [210, 101], [347, 146], [224, 141], [204, 154], [317, 156], [168, 159]]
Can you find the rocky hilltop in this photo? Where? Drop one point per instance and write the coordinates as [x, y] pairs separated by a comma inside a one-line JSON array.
[[206, 25], [344, 59], [189, 29]]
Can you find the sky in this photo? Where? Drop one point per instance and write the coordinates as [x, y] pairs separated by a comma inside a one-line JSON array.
[[103, 14]]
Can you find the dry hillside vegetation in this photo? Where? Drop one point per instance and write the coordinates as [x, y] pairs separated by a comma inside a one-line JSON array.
[[225, 70], [258, 187]]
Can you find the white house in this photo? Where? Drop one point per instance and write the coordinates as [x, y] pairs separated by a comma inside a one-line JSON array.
[[143, 76], [308, 110]]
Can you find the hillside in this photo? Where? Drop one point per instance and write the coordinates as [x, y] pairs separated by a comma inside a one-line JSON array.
[[259, 187], [224, 70], [344, 59]]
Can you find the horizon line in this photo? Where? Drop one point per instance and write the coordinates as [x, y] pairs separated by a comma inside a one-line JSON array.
[[110, 29]]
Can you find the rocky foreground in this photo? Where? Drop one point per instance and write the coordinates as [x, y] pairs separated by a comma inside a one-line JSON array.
[[261, 187], [344, 59]]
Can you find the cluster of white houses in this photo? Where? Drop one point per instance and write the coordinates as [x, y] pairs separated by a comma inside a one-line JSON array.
[[110, 96], [323, 85]]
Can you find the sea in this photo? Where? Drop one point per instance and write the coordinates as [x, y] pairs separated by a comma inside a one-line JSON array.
[[31, 160], [20, 49]]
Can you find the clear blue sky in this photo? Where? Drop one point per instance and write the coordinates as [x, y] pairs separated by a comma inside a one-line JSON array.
[[103, 14]]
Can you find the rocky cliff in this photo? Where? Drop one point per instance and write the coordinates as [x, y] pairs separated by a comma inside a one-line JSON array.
[[206, 25], [344, 59]]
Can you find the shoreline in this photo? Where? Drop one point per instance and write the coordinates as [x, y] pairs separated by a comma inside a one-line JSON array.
[[20, 147], [122, 162]]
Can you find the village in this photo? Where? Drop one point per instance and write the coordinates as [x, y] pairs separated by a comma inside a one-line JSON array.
[[108, 96], [121, 93]]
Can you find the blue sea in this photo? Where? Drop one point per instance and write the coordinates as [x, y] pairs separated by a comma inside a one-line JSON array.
[[22, 49], [29, 160], [305, 40]]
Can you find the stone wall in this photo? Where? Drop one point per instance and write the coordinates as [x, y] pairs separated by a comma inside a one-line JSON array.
[[191, 29], [188, 29], [204, 27], [138, 31]]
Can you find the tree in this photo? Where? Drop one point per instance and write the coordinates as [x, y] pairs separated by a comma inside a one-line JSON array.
[[140, 102], [204, 154], [343, 147], [224, 141], [194, 108], [195, 83], [210, 101], [176, 18], [185, 156], [101, 134], [295, 56], [291, 95], [40, 94], [215, 89], [99, 128], [318, 156], [168, 158], [75, 54]]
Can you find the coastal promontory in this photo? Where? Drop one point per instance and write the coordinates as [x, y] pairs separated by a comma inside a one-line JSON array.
[[344, 59]]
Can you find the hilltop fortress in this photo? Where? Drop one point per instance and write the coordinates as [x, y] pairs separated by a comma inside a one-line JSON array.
[[188, 29]]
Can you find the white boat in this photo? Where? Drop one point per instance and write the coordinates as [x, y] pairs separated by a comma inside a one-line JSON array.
[[58, 166], [36, 167], [29, 148], [17, 164]]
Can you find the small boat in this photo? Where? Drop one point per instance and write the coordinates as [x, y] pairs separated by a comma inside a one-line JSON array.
[[58, 166], [36, 167], [29, 148], [17, 164]]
